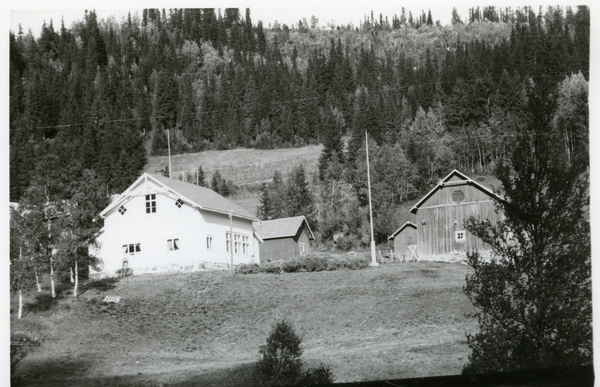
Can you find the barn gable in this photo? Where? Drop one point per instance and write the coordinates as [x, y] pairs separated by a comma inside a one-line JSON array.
[[455, 179], [441, 216]]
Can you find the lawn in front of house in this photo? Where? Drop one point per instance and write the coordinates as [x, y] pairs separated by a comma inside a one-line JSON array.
[[394, 321]]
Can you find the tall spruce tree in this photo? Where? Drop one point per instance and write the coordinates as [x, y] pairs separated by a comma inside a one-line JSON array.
[[534, 296]]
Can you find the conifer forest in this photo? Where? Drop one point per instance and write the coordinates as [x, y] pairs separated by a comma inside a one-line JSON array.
[[93, 101]]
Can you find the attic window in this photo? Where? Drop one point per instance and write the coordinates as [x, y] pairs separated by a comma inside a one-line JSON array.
[[179, 203], [458, 196], [122, 210], [150, 203]]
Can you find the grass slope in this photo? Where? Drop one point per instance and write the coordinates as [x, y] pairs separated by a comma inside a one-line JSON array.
[[243, 166], [394, 321]]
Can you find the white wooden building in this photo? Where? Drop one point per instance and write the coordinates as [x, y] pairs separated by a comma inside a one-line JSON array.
[[161, 225]]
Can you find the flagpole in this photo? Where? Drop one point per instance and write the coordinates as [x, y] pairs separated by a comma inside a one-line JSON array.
[[373, 256], [169, 146]]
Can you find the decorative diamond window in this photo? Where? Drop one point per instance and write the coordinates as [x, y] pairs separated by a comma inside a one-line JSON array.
[[179, 203], [122, 210]]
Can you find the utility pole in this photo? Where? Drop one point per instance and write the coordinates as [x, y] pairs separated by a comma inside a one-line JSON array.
[[169, 146], [231, 236], [373, 256]]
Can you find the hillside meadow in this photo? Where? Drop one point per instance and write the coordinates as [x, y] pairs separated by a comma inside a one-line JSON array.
[[395, 321], [242, 166]]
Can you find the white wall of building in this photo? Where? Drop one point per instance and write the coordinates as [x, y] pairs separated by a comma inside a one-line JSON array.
[[190, 226]]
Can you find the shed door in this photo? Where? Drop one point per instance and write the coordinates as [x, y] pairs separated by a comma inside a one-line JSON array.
[[411, 251]]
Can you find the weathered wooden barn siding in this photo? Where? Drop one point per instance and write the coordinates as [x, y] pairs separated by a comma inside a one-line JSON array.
[[402, 240], [283, 248], [278, 248], [444, 217]]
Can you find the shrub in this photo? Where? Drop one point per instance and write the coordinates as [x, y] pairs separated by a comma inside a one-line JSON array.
[[22, 342], [320, 376], [248, 268], [271, 267], [302, 264], [280, 363], [293, 265]]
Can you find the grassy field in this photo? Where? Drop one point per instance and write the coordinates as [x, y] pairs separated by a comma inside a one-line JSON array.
[[390, 322], [243, 166]]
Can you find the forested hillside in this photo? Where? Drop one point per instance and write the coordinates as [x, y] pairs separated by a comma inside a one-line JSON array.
[[100, 95]]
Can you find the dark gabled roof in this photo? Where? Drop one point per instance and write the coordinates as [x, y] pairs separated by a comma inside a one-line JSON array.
[[446, 182], [198, 196], [398, 231], [281, 228]]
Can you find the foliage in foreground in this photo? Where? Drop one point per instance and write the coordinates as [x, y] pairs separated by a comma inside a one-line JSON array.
[[309, 263], [22, 342], [281, 364], [534, 297]]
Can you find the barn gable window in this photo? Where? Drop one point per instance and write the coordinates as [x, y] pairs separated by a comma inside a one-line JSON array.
[[459, 236], [150, 203], [458, 196]]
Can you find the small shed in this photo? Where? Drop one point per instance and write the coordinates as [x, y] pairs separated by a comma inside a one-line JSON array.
[[405, 242], [284, 238], [441, 213]]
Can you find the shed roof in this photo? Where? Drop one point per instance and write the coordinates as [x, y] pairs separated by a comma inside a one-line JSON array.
[[281, 228], [398, 231], [455, 178], [201, 197]]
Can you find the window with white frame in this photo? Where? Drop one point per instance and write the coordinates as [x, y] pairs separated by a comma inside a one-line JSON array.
[[236, 246], [459, 236], [245, 245], [173, 244], [150, 203], [227, 241], [209, 243], [132, 249], [301, 245]]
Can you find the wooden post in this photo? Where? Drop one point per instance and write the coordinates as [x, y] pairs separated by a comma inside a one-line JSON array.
[[373, 254], [231, 236]]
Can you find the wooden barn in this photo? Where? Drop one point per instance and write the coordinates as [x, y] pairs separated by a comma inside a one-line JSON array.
[[405, 242], [440, 217], [284, 238]]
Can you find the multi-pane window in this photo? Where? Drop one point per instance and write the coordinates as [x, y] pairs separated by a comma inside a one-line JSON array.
[[245, 244], [132, 249], [150, 203], [172, 244], [122, 210], [179, 203], [460, 236], [239, 243], [209, 243], [236, 246]]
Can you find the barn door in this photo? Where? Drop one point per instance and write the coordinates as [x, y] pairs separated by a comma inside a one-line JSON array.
[[411, 251]]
